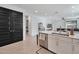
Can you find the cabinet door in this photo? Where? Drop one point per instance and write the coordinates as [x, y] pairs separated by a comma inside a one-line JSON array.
[[4, 25], [16, 25], [76, 46], [64, 45], [52, 42], [42, 36], [43, 40]]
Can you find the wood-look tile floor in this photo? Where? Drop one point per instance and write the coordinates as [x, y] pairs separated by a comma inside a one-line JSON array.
[[27, 46]]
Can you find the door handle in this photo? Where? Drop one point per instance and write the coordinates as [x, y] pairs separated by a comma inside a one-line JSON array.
[[9, 28], [11, 31]]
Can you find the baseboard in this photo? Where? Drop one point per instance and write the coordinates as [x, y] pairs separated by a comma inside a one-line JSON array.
[[7, 42]]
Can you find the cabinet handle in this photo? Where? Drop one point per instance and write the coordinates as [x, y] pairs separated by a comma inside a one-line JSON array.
[[57, 43], [46, 36], [73, 47]]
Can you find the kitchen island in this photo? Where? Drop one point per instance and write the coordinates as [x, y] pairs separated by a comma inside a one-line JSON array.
[[59, 42]]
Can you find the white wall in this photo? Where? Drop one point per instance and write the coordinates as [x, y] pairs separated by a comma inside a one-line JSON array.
[[78, 23], [55, 21]]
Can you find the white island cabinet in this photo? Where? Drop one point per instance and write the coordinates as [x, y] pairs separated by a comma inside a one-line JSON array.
[[76, 46], [60, 44], [64, 45], [52, 42]]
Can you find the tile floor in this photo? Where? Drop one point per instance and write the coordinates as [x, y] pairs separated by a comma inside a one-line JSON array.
[[27, 46]]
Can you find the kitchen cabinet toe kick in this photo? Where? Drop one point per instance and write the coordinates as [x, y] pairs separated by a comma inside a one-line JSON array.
[[47, 49]]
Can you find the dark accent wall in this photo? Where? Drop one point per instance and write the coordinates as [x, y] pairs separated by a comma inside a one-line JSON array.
[[11, 26]]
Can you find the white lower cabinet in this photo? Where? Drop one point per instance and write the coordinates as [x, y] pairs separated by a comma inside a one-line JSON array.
[[43, 40], [60, 44], [76, 46], [64, 45], [52, 43]]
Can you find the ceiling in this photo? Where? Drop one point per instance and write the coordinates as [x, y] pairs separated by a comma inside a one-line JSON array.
[[50, 9]]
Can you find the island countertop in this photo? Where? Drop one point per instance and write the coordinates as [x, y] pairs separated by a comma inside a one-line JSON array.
[[75, 36]]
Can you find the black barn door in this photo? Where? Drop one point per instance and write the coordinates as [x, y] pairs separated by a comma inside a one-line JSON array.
[[16, 25], [4, 25]]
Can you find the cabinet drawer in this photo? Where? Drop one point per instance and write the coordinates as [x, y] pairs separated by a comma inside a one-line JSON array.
[[49, 36], [43, 43], [75, 46], [66, 39], [53, 36], [75, 41]]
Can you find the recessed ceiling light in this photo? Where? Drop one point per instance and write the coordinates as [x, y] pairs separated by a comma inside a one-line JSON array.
[[73, 7], [36, 11]]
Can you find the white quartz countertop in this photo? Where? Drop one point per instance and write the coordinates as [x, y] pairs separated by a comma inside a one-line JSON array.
[[47, 32], [53, 32], [75, 36]]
